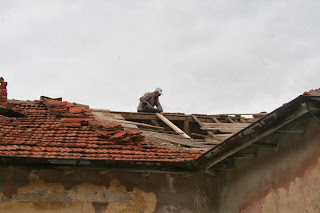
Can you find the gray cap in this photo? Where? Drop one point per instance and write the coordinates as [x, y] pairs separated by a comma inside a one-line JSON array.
[[158, 90]]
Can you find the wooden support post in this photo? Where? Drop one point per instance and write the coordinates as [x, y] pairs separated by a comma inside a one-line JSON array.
[[186, 128], [174, 127]]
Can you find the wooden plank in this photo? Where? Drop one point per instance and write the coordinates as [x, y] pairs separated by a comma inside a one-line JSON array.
[[197, 120], [223, 129], [149, 116], [170, 139], [223, 137], [226, 125], [107, 117], [174, 127], [198, 135]]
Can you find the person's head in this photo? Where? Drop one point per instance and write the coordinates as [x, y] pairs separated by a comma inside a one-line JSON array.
[[158, 91]]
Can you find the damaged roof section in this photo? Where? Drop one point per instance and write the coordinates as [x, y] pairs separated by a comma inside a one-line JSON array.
[[56, 129], [53, 132], [206, 131]]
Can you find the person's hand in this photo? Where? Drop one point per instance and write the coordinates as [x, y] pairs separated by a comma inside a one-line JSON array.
[[150, 106]]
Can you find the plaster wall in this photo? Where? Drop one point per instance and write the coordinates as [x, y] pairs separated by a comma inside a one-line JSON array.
[[104, 192], [283, 179]]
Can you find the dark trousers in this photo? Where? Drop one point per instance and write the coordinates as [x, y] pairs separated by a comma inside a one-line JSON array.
[[153, 110]]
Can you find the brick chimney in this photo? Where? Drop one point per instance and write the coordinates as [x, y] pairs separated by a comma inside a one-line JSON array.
[[3, 94]]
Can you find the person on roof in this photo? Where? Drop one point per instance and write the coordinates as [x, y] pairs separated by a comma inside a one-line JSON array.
[[149, 100]]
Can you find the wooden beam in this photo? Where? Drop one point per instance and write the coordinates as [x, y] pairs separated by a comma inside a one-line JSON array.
[[210, 133], [215, 119], [186, 127], [155, 122], [198, 135], [174, 127], [149, 116], [230, 120], [197, 120]]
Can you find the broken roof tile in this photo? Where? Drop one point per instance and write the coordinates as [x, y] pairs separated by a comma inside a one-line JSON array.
[[51, 128]]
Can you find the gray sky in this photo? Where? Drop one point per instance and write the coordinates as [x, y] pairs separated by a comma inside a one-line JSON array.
[[217, 56]]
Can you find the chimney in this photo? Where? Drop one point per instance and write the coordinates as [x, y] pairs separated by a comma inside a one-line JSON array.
[[3, 94]]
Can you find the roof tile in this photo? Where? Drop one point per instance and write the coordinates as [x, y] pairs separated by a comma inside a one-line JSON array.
[[55, 129]]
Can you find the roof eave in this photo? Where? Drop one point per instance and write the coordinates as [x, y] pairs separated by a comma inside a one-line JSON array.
[[259, 129]]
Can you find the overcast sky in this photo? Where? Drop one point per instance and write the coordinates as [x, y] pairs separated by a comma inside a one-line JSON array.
[[208, 56]]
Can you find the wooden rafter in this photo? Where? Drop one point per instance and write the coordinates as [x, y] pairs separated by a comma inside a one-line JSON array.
[[174, 127]]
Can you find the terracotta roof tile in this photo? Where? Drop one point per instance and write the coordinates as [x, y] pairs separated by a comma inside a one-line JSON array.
[[52, 128], [313, 92]]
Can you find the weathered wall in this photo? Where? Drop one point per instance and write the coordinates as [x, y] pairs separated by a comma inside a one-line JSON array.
[[285, 180], [104, 192]]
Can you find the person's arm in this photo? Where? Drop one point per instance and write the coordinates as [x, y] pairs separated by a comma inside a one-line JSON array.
[[159, 105], [144, 99]]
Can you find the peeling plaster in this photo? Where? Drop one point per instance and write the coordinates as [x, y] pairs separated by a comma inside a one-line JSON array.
[[301, 195], [199, 197], [171, 187], [39, 196]]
